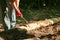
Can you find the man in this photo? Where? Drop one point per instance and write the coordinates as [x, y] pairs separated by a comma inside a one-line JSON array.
[[10, 14]]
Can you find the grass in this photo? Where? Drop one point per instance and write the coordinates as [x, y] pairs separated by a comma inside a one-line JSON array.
[[40, 14]]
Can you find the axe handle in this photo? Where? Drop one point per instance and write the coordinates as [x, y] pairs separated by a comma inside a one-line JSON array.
[[25, 20]]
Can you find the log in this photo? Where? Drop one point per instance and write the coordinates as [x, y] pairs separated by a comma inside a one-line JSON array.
[[44, 27], [38, 24]]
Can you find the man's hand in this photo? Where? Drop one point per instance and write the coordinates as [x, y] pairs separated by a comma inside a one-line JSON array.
[[19, 14]]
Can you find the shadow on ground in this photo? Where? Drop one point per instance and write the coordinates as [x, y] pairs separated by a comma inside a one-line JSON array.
[[15, 34]]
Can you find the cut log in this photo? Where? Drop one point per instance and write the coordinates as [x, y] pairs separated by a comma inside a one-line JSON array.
[[38, 24], [44, 27]]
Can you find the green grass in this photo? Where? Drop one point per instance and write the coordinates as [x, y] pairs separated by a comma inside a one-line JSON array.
[[39, 14]]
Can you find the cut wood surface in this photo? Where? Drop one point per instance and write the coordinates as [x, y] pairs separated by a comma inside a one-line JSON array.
[[45, 27], [38, 24]]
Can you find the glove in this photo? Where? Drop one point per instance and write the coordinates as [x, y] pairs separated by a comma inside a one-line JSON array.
[[19, 14]]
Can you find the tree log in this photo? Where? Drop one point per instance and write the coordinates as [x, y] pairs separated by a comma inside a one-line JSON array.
[[38, 24], [44, 27]]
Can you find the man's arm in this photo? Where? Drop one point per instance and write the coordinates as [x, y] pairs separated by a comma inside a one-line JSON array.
[[15, 5]]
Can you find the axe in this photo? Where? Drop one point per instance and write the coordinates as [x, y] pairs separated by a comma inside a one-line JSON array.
[[19, 14]]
